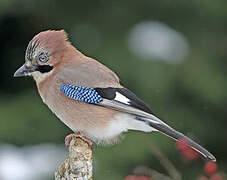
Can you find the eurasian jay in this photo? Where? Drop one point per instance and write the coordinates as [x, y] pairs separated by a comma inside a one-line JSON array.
[[86, 95]]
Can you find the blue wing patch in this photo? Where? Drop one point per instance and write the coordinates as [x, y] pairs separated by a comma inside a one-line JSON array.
[[80, 93]]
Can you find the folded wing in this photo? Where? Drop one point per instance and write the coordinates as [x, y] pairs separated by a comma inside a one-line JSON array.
[[122, 99]]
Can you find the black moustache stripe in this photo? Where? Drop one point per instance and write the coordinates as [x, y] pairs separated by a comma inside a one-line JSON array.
[[44, 68]]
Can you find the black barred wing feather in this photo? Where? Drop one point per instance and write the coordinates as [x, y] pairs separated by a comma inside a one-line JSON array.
[[120, 99], [81, 93]]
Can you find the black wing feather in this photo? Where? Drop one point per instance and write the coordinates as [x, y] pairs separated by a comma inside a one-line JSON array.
[[110, 94]]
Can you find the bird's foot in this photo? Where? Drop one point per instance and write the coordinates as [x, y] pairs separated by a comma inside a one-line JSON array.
[[69, 137]]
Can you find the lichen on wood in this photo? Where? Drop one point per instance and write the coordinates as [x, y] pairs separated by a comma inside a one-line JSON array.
[[78, 165]]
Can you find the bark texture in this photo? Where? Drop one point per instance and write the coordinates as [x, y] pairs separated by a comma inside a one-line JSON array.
[[78, 166]]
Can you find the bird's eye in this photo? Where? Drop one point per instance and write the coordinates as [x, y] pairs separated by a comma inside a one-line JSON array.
[[43, 57]]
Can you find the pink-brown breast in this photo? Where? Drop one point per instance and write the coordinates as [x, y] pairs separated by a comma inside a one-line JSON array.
[[90, 119]]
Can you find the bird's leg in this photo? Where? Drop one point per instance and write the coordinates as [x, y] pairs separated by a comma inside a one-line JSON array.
[[69, 137]]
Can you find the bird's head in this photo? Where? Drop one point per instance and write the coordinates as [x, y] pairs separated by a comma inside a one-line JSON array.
[[43, 54]]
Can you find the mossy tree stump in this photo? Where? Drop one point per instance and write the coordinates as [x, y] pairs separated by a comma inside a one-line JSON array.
[[78, 165]]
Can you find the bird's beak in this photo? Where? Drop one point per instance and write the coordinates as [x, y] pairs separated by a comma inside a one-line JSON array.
[[24, 71]]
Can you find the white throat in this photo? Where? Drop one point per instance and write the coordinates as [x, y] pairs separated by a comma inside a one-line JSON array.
[[39, 77]]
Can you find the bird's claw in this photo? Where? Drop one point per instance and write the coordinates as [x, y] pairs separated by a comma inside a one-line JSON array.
[[69, 137]]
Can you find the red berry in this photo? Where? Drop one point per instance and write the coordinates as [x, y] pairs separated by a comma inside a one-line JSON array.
[[216, 177], [182, 145], [190, 154], [134, 177], [186, 151], [202, 178], [210, 168]]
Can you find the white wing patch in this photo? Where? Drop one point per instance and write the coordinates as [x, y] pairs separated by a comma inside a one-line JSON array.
[[121, 98]]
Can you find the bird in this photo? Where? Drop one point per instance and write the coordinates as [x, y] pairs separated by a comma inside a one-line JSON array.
[[87, 96]]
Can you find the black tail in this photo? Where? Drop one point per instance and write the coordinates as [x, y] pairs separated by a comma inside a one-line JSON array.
[[165, 129]]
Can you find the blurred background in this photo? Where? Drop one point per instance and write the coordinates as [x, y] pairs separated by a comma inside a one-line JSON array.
[[172, 54]]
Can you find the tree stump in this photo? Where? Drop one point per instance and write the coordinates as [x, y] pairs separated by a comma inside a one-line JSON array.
[[78, 166]]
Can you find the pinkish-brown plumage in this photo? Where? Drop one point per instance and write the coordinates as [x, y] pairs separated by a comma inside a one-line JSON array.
[[56, 42], [72, 67], [52, 40], [53, 61]]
